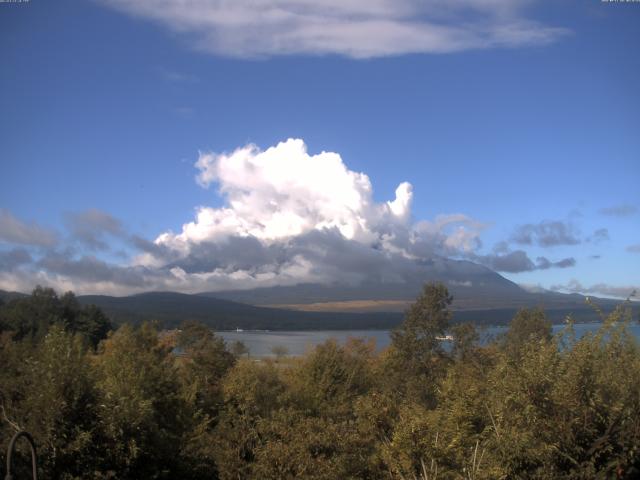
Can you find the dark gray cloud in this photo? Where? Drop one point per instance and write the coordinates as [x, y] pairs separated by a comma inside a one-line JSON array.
[[324, 256], [16, 257], [235, 253], [93, 270], [396, 253], [15, 231], [543, 263], [513, 262], [634, 248], [160, 251], [501, 247], [92, 226], [334, 257], [599, 235], [546, 234], [239, 261], [623, 210], [244, 262], [327, 255], [565, 263], [518, 261]]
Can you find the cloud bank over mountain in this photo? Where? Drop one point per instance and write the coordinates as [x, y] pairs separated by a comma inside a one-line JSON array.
[[351, 28], [575, 286], [288, 217], [15, 231]]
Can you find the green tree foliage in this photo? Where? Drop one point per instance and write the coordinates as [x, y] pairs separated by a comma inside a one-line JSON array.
[[600, 387], [181, 405], [205, 363], [529, 325], [465, 341], [252, 393], [239, 349], [143, 414], [48, 391], [417, 359], [299, 419], [427, 319], [331, 377], [300, 446], [31, 317]]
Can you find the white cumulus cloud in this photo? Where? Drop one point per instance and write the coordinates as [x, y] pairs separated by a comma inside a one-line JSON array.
[[283, 192], [290, 216]]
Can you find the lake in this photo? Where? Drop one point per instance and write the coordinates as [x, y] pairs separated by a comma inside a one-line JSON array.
[[260, 343]]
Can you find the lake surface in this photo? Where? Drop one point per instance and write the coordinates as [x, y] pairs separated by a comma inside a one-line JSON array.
[[261, 343]]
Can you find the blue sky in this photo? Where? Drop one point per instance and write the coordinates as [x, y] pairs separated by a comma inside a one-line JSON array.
[[521, 118]]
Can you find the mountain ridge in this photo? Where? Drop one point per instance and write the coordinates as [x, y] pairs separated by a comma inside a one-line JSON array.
[[170, 309], [479, 295]]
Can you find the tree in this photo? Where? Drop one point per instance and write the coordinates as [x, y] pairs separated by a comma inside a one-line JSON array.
[[529, 325], [92, 322], [465, 339], [239, 349], [253, 391], [143, 414], [299, 421], [331, 377], [595, 424], [417, 357], [32, 316], [280, 351], [49, 391], [205, 363], [426, 320]]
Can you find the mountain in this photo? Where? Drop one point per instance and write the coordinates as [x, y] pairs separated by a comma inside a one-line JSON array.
[[170, 309], [7, 296], [471, 285], [480, 295]]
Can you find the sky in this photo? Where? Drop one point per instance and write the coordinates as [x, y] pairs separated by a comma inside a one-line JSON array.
[[211, 145]]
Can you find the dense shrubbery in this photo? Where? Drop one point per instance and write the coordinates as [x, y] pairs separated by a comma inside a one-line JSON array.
[[125, 406]]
